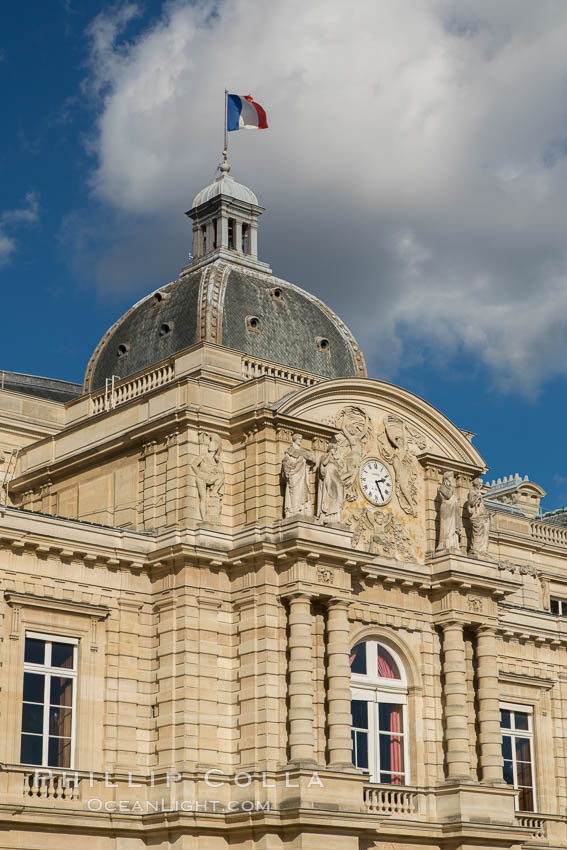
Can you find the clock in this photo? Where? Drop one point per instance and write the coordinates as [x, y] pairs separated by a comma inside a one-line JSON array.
[[376, 482]]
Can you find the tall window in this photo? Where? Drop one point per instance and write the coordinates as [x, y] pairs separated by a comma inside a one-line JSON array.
[[245, 238], [379, 713], [517, 751], [50, 682]]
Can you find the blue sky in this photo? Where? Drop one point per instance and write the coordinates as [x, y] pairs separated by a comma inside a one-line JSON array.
[[413, 174]]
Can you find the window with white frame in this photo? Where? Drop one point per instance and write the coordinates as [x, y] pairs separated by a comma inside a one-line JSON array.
[[49, 700], [379, 713], [516, 722], [558, 606]]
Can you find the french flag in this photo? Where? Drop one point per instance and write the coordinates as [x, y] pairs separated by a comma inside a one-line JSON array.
[[242, 112]]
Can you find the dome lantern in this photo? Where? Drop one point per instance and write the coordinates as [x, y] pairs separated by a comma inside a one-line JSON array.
[[225, 222]]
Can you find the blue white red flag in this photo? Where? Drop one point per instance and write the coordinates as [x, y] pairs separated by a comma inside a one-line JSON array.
[[243, 113]]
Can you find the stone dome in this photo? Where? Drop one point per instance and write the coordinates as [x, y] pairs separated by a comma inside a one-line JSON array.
[[224, 184], [233, 306]]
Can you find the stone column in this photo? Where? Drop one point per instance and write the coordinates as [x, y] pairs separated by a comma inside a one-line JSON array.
[[456, 710], [300, 679], [338, 690], [490, 736]]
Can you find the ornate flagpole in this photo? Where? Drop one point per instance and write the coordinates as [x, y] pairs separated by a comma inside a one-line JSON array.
[[225, 151]]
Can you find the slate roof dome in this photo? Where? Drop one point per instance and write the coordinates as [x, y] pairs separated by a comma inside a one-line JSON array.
[[229, 297]]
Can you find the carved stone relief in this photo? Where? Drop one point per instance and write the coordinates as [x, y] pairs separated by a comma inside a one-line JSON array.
[[325, 575], [356, 431], [379, 529], [381, 533], [398, 444], [209, 476]]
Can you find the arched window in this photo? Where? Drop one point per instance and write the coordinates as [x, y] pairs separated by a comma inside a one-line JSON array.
[[379, 713]]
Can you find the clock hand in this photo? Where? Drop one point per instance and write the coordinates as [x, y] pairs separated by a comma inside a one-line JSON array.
[[380, 491]]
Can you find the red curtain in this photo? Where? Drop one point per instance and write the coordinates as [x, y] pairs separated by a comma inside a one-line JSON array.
[[396, 755], [387, 667]]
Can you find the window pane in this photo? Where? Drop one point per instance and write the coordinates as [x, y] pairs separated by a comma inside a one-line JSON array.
[[390, 717], [391, 753], [60, 722], [554, 606], [358, 659], [524, 770], [508, 772], [359, 709], [387, 667], [526, 800], [505, 719], [30, 752], [62, 655], [523, 749], [61, 691], [506, 747], [59, 754], [521, 720], [34, 652], [34, 686], [362, 750], [32, 718]]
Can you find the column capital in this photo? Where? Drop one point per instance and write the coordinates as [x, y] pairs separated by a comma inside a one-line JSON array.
[[297, 595], [337, 602], [486, 629], [452, 624]]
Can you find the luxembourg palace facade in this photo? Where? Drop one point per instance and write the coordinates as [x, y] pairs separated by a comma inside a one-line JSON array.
[[252, 599]]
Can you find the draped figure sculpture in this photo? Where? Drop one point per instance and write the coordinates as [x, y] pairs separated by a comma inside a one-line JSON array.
[[209, 478], [295, 472], [331, 489], [449, 515], [479, 519]]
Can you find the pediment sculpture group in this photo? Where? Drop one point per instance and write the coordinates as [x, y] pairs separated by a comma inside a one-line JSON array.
[[336, 479], [297, 463]]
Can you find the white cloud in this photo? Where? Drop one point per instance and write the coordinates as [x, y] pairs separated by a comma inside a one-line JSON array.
[[26, 214], [416, 158]]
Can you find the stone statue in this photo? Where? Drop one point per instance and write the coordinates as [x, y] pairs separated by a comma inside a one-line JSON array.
[[331, 490], [449, 515], [395, 449], [295, 471], [479, 518], [209, 478]]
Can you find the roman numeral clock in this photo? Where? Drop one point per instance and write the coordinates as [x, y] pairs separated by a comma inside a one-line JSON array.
[[376, 482]]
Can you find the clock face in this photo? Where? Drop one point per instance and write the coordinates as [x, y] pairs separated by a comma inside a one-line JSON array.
[[376, 482]]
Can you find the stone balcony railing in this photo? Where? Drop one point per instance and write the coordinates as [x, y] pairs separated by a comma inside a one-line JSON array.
[[252, 368], [547, 532], [395, 801], [536, 825], [118, 391]]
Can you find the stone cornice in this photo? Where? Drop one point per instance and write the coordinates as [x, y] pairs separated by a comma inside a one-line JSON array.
[[28, 600]]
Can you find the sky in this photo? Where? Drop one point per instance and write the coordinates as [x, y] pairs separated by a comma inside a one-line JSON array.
[[414, 177]]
